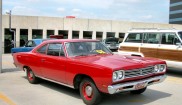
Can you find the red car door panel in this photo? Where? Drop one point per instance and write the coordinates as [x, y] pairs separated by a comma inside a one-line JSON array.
[[53, 67]]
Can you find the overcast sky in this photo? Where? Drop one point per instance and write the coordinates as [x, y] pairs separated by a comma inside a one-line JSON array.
[[130, 10]]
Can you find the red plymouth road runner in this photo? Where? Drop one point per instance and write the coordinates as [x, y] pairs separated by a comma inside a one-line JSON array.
[[91, 67]]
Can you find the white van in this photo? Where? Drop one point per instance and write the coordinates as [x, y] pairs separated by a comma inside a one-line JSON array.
[[157, 43]]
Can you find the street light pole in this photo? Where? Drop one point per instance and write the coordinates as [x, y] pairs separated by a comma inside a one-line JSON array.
[[9, 20], [0, 36], [14, 33]]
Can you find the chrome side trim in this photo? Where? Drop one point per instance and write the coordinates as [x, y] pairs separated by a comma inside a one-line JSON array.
[[112, 89], [55, 82]]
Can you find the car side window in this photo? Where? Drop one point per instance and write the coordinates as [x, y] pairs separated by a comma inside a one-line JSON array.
[[42, 50], [55, 49], [169, 38], [134, 37], [152, 38], [30, 44]]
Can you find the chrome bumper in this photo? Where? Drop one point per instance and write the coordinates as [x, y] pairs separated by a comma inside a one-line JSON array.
[[128, 86]]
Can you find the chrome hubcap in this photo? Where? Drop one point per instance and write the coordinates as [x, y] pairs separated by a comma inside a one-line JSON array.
[[88, 90]]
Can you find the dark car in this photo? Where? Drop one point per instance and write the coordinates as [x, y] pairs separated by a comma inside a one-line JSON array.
[[112, 43]]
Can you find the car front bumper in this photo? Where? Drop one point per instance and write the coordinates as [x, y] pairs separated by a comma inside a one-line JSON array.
[[129, 86]]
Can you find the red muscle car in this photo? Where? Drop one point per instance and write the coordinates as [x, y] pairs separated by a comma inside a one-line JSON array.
[[89, 66]]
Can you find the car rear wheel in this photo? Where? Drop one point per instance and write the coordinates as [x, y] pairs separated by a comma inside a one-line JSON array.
[[30, 76], [140, 91], [89, 92]]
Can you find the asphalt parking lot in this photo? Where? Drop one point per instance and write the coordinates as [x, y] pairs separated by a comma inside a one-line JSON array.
[[16, 90]]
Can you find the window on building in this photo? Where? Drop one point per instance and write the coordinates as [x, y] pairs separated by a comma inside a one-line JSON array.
[[8, 40], [110, 34], [37, 34], [23, 36], [87, 34], [75, 34], [64, 33], [50, 32], [99, 35], [121, 36]]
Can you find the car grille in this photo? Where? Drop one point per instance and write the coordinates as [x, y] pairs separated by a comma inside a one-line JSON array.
[[139, 72]]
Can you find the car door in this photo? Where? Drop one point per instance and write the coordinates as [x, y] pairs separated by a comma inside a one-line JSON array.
[[54, 63], [36, 64], [150, 44], [169, 50]]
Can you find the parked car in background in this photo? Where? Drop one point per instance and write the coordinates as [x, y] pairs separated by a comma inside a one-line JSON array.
[[57, 36], [112, 43], [89, 66], [156, 43], [29, 45]]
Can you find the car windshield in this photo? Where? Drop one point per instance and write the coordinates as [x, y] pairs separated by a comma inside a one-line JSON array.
[[180, 34], [86, 48], [111, 40]]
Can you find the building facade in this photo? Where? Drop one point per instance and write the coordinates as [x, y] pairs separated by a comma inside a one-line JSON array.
[[175, 14], [30, 27]]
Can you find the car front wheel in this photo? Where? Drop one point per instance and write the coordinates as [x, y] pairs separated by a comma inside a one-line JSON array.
[[89, 92]]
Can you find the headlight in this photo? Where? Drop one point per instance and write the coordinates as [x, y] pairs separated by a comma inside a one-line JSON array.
[[118, 75], [156, 68], [160, 68], [115, 76]]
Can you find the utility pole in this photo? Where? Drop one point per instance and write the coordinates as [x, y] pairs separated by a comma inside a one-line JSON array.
[[14, 33], [0, 36]]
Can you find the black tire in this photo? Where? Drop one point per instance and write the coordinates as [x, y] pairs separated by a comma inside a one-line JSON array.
[[138, 91], [31, 77], [89, 98]]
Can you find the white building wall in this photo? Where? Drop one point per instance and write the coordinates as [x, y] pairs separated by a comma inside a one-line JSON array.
[[17, 37], [178, 27], [99, 25], [29, 34], [163, 26], [94, 35], [79, 24], [70, 24], [70, 34]]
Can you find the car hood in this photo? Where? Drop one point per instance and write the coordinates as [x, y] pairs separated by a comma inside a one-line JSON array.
[[116, 62], [21, 49]]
